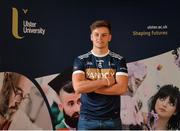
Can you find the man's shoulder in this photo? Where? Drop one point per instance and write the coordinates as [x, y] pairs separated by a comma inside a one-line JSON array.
[[61, 125], [86, 55], [115, 55]]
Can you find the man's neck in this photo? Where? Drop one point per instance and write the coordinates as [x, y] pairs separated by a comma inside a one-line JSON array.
[[67, 126], [100, 51]]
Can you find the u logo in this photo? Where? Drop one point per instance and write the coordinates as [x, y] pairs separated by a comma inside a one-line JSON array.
[[15, 24]]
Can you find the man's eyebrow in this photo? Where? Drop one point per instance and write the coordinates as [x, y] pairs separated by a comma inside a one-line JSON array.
[[70, 101], [102, 33]]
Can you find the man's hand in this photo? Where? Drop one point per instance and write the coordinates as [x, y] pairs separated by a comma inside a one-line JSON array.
[[110, 80]]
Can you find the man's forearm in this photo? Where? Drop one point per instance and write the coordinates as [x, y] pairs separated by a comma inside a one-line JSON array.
[[116, 89], [87, 86]]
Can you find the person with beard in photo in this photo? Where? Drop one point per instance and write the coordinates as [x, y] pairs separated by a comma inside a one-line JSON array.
[[69, 101]]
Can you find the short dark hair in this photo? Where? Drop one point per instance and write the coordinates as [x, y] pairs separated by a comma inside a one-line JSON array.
[[68, 87], [101, 23], [174, 94]]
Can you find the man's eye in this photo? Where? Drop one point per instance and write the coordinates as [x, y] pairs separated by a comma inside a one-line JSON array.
[[96, 35], [104, 35], [71, 103], [78, 101]]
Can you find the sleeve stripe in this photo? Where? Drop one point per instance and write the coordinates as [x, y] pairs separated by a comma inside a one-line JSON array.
[[121, 73], [79, 71]]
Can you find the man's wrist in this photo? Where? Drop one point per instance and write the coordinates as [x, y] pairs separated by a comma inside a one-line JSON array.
[[108, 82]]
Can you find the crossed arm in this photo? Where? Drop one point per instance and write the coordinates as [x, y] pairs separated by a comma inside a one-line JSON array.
[[115, 86]]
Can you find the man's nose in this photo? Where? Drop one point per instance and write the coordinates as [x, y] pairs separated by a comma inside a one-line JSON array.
[[77, 107], [99, 36]]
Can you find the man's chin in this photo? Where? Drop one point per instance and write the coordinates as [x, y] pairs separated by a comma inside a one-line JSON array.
[[71, 121]]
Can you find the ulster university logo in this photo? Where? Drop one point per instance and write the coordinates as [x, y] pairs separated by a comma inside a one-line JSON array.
[[15, 24], [28, 26]]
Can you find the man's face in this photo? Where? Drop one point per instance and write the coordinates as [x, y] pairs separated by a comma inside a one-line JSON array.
[[100, 37], [70, 105], [15, 98], [12, 93]]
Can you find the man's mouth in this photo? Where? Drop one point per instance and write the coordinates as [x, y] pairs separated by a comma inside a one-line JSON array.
[[75, 115], [99, 42]]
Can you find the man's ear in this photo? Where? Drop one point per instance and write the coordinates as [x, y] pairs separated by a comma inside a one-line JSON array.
[[91, 37], [60, 107], [110, 38]]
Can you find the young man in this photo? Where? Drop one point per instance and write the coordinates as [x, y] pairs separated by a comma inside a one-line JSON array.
[[101, 77]]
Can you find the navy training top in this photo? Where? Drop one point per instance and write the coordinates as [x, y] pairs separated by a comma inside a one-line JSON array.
[[94, 105]]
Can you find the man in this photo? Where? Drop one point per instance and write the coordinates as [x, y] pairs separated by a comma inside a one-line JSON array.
[[10, 94], [70, 106], [21, 105], [101, 77], [69, 100]]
